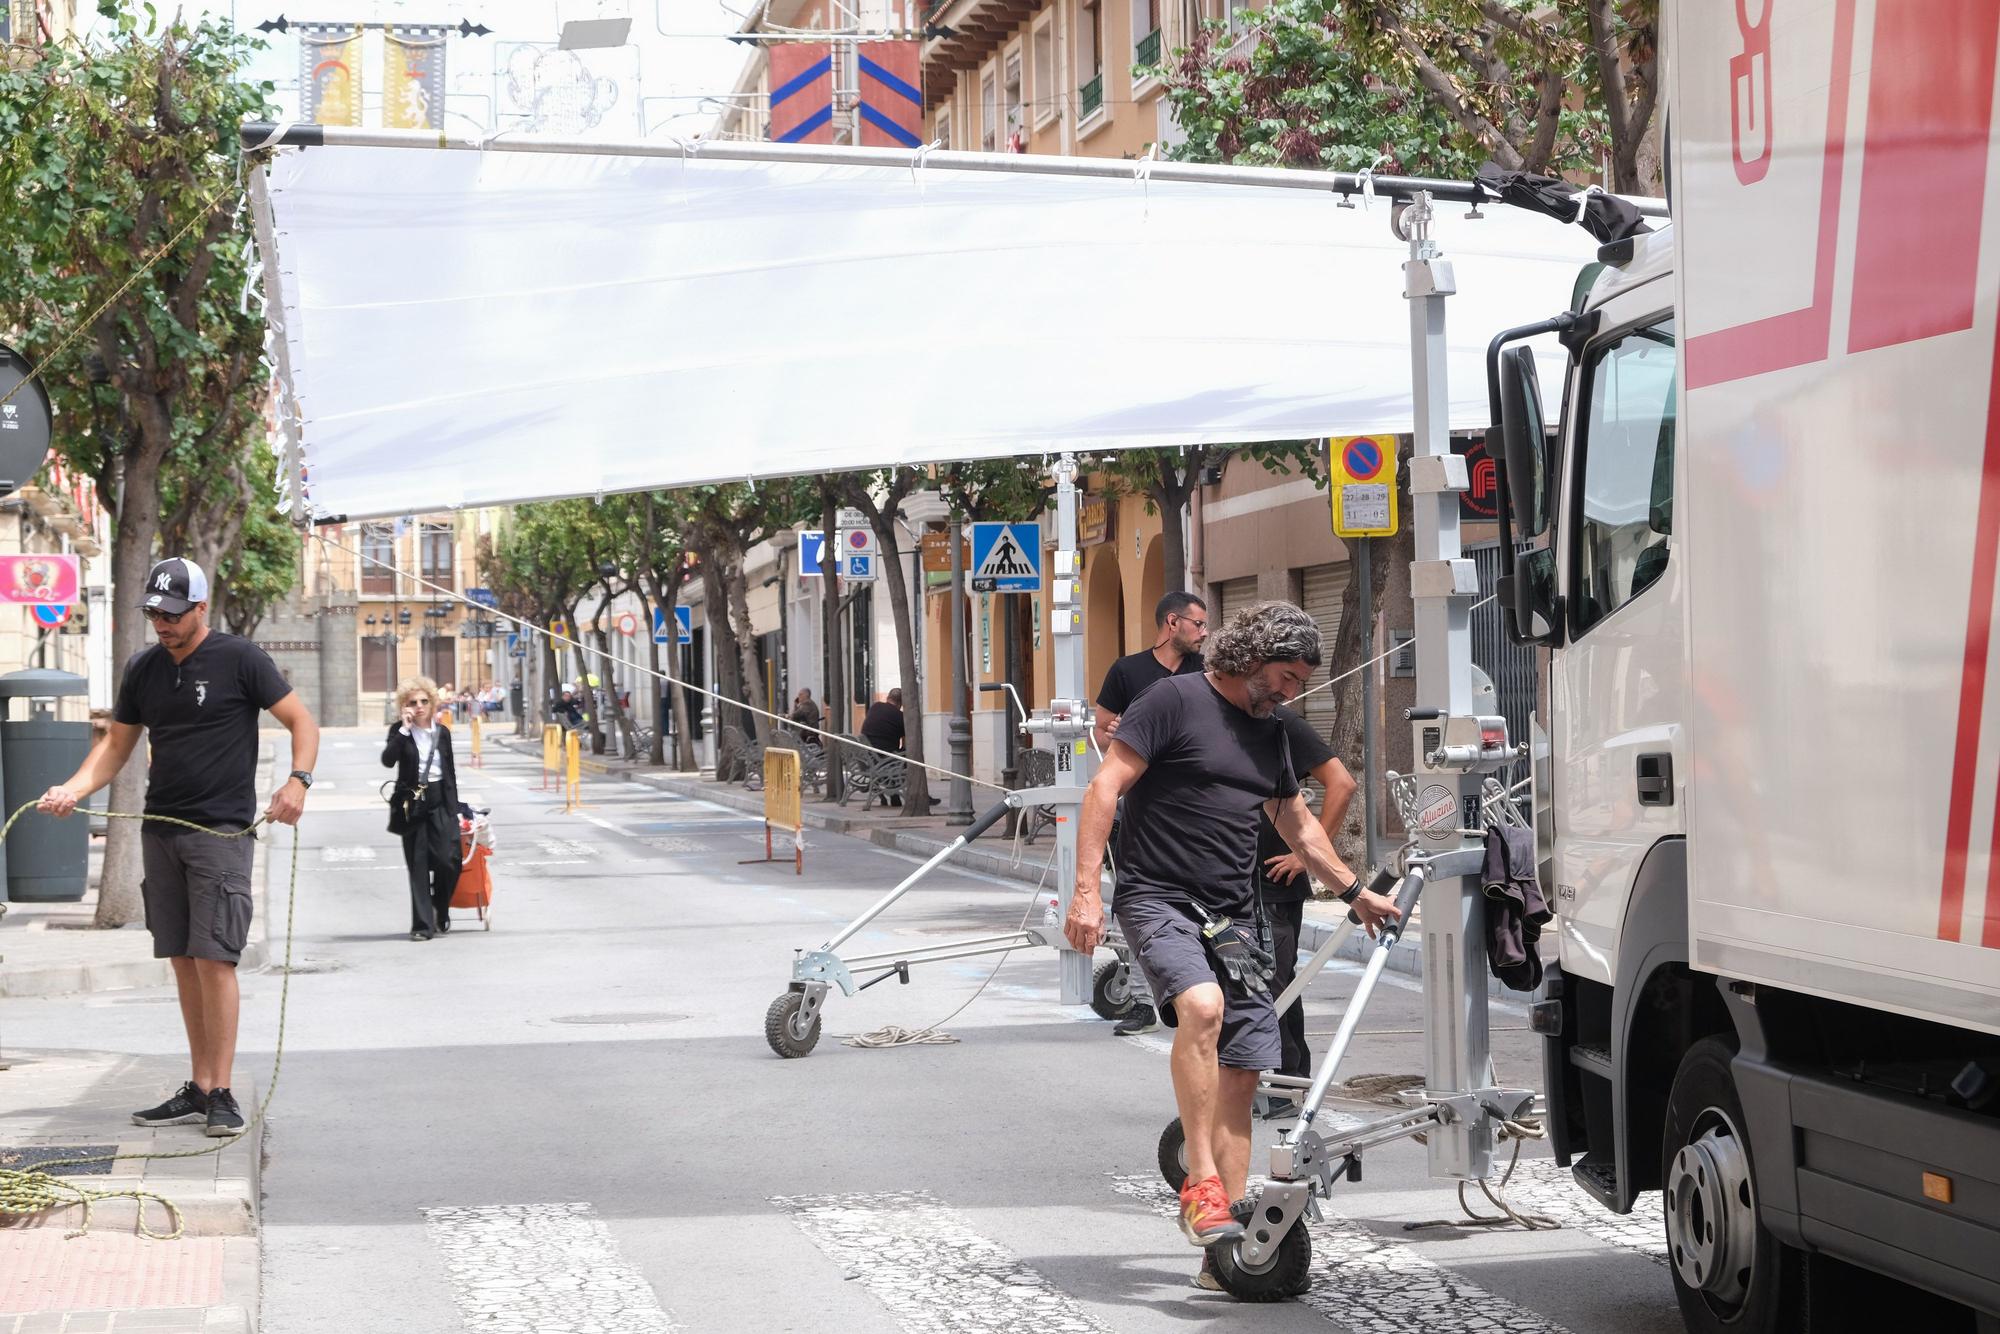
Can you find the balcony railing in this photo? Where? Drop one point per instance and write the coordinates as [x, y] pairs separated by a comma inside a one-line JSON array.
[[1091, 95], [1147, 51]]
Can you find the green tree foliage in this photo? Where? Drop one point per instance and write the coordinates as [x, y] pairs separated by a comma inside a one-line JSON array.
[[126, 225]]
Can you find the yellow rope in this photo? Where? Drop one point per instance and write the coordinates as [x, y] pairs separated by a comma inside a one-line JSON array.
[[37, 1190]]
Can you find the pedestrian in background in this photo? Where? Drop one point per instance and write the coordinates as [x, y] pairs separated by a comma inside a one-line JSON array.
[[804, 711], [197, 694], [882, 725], [423, 807]]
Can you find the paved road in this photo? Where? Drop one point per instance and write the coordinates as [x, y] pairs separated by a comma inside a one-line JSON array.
[[572, 1122]]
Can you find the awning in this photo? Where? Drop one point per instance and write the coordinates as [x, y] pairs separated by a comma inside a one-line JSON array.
[[530, 320]]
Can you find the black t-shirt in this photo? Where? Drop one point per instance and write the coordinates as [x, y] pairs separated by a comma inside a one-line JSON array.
[[882, 726], [1309, 751], [200, 717], [1130, 675], [1189, 831]]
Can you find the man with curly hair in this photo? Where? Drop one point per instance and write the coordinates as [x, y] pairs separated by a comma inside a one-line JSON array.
[[1198, 759]]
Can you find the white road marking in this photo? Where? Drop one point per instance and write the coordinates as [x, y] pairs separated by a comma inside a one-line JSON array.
[[334, 856], [565, 847], [606, 824], [1369, 1284], [923, 1261], [560, 861], [528, 1268]]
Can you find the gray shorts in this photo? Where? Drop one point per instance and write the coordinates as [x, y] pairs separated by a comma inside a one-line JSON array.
[[197, 892], [1166, 940]]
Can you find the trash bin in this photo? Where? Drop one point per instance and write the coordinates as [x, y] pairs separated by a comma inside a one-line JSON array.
[[48, 860]]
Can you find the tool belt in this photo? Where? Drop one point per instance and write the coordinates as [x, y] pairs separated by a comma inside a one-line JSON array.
[[1239, 953]]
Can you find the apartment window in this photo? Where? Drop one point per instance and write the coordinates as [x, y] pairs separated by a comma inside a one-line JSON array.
[[378, 663], [434, 553], [378, 558], [989, 113], [943, 131], [1145, 32], [440, 659], [1046, 98], [1090, 57], [1017, 133]]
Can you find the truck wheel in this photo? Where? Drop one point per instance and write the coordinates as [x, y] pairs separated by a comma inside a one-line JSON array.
[[1111, 990], [1730, 1275]]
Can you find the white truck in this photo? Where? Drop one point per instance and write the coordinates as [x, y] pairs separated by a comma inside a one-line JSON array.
[[1763, 565]]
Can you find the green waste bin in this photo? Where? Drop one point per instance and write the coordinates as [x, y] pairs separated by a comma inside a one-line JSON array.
[[47, 860]]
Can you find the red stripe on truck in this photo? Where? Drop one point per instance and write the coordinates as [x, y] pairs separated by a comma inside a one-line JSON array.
[[1923, 177], [1972, 681], [1797, 337]]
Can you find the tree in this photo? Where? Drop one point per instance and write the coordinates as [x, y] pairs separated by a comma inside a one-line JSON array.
[[1433, 87], [1168, 479], [126, 228], [880, 497], [223, 514]]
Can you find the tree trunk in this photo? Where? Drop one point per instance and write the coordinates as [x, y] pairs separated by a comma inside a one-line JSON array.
[[1171, 496], [544, 707], [728, 683], [606, 660], [591, 713], [917, 790], [118, 901], [738, 585], [656, 752], [684, 758]]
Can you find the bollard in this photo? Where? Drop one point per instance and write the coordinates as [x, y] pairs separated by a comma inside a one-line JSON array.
[[574, 799], [476, 761], [551, 754]]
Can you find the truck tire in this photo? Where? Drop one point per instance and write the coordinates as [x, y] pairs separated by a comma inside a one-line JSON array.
[[1730, 1275]]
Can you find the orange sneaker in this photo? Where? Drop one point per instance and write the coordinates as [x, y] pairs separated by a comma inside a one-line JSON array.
[[1205, 1216]]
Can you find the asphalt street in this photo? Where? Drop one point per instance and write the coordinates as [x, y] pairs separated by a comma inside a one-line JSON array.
[[572, 1121]]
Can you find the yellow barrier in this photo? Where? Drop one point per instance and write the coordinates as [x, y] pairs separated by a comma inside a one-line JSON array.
[[476, 761], [574, 799], [783, 808], [551, 754]]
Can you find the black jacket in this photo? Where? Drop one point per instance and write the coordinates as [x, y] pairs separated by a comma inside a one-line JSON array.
[[400, 752]]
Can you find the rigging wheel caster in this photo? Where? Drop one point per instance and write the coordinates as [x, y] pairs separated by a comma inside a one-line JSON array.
[[1111, 990], [784, 1029], [1285, 1273], [1173, 1155]]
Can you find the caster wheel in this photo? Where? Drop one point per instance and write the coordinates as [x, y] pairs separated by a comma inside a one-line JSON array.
[[1111, 990], [1285, 1273], [1173, 1154], [782, 1029]]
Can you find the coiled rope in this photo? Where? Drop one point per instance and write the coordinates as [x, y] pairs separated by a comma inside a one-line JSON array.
[[37, 1189]]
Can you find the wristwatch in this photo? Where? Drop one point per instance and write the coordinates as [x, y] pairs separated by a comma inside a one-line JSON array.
[[304, 776]]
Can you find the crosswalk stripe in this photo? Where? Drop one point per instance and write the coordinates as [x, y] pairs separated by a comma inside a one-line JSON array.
[[923, 1261], [1369, 1284], [529, 1268]]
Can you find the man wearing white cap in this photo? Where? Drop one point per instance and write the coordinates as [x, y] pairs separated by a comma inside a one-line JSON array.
[[198, 693]]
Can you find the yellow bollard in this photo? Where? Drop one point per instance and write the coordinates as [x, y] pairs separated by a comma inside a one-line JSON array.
[[575, 798], [551, 754], [476, 761]]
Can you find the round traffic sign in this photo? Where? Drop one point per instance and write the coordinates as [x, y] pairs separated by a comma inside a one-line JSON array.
[[861, 539], [51, 614], [1363, 458], [628, 624]]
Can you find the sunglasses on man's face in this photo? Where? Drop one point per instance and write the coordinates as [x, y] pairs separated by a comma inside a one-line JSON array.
[[158, 617]]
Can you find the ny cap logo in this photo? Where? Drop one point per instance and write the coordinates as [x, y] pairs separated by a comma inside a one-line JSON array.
[[165, 582]]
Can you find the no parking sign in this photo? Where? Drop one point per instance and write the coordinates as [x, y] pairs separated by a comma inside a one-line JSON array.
[[1364, 485]]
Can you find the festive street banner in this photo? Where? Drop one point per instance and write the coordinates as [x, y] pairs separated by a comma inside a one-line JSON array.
[[892, 108], [330, 74], [413, 79], [801, 93]]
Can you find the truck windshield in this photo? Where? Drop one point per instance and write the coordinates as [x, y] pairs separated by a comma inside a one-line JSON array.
[[1628, 471]]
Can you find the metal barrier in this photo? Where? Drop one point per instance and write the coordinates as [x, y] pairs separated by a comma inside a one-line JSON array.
[[783, 807]]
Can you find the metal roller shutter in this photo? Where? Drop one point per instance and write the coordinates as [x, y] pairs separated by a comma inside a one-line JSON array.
[[1234, 595], [1326, 585]]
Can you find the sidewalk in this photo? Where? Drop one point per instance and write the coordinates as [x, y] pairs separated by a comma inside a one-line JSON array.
[[79, 1104], [925, 836]]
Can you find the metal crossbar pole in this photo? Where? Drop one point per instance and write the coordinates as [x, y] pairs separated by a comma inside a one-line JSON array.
[[259, 135], [978, 827]]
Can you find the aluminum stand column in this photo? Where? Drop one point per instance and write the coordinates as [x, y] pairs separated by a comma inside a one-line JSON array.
[[1444, 586], [1068, 713]]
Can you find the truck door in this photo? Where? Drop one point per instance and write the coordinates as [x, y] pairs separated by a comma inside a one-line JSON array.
[[1616, 681]]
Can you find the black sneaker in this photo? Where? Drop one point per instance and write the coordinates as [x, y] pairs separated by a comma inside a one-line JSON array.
[[224, 1117], [1143, 1019], [188, 1106]]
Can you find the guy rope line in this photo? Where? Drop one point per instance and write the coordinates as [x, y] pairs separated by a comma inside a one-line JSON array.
[[606, 661], [36, 1190]]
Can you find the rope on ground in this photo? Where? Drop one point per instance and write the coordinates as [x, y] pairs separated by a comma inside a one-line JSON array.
[[36, 1190], [893, 1035]]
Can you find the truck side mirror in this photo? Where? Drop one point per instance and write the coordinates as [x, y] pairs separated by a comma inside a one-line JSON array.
[[1524, 442]]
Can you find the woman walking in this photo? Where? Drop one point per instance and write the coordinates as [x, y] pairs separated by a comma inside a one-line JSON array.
[[424, 807]]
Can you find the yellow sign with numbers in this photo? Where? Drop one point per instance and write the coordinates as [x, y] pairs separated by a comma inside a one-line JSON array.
[[1363, 473]]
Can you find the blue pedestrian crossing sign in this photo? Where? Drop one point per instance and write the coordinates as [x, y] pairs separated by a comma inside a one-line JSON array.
[[515, 648], [684, 626], [1006, 558]]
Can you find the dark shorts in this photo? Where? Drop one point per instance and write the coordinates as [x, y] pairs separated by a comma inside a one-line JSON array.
[[1166, 940], [197, 893]]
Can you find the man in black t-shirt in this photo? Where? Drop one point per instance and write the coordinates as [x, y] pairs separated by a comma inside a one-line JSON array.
[[1282, 877], [1180, 624], [1198, 760], [197, 694]]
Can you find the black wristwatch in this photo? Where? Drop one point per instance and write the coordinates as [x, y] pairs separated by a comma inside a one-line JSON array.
[[305, 778]]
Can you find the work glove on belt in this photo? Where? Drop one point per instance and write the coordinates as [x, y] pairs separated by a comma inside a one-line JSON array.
[[1248, 964]]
